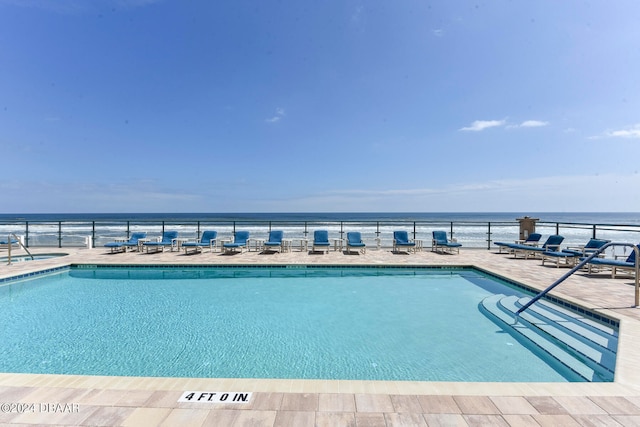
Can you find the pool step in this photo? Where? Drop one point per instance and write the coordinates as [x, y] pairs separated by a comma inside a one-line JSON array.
[[586, 344], [579, 344], [574, 323]]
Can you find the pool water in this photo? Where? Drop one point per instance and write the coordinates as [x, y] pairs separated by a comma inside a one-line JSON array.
[[35, 257], [311, 323]]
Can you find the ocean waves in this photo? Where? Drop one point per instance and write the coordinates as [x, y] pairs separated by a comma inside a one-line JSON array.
[[472, 230]]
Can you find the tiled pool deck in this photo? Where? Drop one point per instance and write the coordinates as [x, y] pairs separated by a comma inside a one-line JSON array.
[[114, 401]]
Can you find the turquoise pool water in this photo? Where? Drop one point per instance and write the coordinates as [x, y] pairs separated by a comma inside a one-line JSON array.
[[315, 323]]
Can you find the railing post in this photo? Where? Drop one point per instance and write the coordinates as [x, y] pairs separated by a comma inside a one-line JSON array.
[[128, 229], [19, 244], [489, 236], [93, 234], [637, 296], [414, 230], [557, 228], [59, 234], [451, 230], [594, 231], [26, 233]]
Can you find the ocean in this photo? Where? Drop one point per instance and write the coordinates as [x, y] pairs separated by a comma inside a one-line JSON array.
[[472, 229]]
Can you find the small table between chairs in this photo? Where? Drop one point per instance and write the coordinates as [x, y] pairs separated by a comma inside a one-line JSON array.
[[258, 244], [177, 243]]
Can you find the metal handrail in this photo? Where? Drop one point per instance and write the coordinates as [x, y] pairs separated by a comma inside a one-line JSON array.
[[10, 243], [582, 264]]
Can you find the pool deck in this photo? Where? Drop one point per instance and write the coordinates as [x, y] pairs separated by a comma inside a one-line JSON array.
[[34, 399]]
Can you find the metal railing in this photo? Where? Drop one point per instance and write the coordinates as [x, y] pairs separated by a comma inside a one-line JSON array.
[[10, 244], [582, 264], [74, 233], [472, 234]]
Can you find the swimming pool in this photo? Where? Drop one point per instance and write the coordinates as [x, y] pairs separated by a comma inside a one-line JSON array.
[[394, 323]]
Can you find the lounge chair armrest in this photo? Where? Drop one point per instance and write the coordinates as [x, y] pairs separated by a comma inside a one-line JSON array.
[[524, 242]]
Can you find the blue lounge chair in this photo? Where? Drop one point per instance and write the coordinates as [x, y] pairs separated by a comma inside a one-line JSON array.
[[240, 242], [440, 241], [274, 243], [401, 242], [133, 242], [354, 241], [207, 240], [597, 264], [570, 256], [586, 250], [320, 241], [6, 243], [168, 239], [552, 244], [531, 240]]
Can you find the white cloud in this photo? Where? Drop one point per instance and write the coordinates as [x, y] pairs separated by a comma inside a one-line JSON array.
[[438, 32], [529, 124], [631, 132], [278, 116], [139, 195], [479, 125], [535, 194], [533, 124]]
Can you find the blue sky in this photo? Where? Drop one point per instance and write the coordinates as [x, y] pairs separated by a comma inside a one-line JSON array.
[[298, 105]]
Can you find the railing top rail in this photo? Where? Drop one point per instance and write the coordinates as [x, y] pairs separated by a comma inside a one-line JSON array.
[[597, 224], [195, 220]]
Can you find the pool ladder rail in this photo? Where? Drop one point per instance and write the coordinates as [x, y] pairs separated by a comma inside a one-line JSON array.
[[10, 244], [578, 267]]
